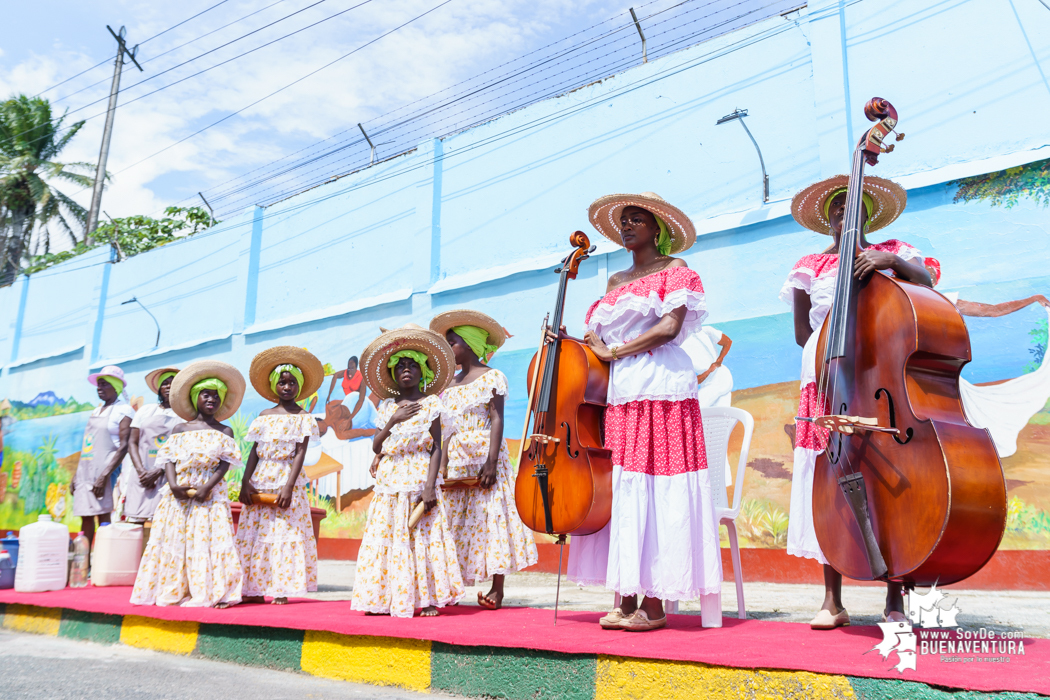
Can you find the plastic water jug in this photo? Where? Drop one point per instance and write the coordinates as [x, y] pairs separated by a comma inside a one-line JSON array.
[[115, 560], [10, 543], [42, 556], [78, 570], [7, 570]]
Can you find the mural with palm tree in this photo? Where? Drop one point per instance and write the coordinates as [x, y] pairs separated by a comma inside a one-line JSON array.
[[31, 139]]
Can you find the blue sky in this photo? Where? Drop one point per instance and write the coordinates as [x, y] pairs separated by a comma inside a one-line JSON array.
[[451, 52]]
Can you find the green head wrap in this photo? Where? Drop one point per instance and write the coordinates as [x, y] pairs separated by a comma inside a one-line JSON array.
[[477, 339], [113, 382], [209, 383], [663, 241], [161, 378], [275, 376], [421, 360], [869, 203]]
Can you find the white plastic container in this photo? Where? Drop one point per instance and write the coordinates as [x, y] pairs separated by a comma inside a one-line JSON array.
[[116, 555], [43, 553]]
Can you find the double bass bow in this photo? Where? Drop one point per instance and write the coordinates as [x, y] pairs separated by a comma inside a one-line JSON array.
[[564, 481], [906, 489]]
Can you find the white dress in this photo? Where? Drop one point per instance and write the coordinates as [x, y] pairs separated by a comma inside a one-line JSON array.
[[662, 538], [816, 276]]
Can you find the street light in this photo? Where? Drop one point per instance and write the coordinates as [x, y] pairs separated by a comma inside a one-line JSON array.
[[739, 114], [135, 300]]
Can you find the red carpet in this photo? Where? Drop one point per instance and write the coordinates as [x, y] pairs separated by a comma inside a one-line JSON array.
[[740, 644]]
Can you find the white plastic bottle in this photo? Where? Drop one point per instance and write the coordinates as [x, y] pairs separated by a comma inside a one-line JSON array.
[[78, 574], [42, 556]]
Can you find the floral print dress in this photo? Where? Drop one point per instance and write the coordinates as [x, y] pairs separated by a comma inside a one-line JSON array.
[[400, 569], [490, 536], [277, 546], [190, 559]]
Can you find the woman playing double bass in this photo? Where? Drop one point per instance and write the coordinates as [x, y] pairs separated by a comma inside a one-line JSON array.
[[810, 290], [662, 540]]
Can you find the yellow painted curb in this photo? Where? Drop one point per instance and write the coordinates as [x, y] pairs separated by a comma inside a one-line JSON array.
[[33, 619], [625, 679], [171, 636], [374, 660]]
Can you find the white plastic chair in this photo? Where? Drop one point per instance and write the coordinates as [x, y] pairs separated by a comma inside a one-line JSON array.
[[718, 426]]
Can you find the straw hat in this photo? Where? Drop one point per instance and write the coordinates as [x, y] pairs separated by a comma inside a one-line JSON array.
[[203, 369], [153, 377], [808, 205], [108, 371], [604, 214], [465, 317], [408, 337], [266, 361]]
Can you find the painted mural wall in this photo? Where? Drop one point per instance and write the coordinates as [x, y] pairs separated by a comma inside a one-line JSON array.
[[481, 218]]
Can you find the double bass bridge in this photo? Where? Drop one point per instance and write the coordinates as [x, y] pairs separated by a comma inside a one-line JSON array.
[[849, 425]]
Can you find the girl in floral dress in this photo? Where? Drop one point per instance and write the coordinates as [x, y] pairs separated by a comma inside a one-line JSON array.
[[810, 291], [276, 541], [490, 537], [404, 566], [662, 540], [190, 559]]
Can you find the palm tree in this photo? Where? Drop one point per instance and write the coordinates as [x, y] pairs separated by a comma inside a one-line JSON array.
[[30, 140]]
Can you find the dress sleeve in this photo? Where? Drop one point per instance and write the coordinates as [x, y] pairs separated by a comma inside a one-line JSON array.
[[229, 451], [801, 277], [660, 293], [142, 414], [257, 430], [170, 451]]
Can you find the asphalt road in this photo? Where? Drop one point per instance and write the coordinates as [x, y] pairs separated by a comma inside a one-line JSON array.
[[35, 666]]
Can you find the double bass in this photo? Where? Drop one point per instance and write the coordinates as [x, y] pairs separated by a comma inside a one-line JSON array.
[[564, 481], [906, 489]]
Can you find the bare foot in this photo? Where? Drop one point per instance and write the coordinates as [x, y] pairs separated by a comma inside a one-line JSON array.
[[429, 611], [253, 599], [374, 614], [493, 600], [221, 606], [280, 601]]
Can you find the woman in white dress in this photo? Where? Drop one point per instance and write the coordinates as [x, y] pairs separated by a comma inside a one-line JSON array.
[[150, 429], [810, 291], [105, 444], [662, 540], [491, 539], [190, 559]]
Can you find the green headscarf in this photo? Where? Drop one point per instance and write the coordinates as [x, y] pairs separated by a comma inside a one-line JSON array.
[[421, 360], [113, 382], [209, 383], [477, 339], [663, 241], [869, 203], [275, 376], [162, 377]]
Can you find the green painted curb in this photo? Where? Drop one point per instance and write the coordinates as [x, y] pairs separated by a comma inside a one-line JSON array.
[[90, 627], [269, 647], [889, 689], [515, 674]]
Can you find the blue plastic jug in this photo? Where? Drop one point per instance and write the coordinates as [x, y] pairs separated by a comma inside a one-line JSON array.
[[7, 570], [10, 543]]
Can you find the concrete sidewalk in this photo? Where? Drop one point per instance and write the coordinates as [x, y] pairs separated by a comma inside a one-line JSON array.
[[1027, 611]]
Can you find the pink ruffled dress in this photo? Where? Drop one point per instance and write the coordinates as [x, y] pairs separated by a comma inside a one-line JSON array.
[[662, 539]]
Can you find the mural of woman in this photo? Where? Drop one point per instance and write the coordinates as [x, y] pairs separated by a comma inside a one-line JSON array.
[[105, 444], [150, 429], [1003, 407], [809, 290], [708, 349]]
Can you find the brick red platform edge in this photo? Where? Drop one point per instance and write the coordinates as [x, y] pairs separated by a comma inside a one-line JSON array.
[[1013, 569]]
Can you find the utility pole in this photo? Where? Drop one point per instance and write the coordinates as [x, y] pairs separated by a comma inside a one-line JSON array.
[[107, 133]]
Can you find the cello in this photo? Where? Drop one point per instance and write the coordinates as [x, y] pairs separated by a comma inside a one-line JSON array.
[[906, 489], [564, 481]]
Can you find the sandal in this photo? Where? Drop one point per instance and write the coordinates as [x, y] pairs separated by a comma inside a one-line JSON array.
[[640, 622], [613, 620], [826, 621], [894, 616]]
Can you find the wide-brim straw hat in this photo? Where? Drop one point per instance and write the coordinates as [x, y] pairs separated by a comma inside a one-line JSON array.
[[152, 379], [179, 396], [808, 205], [409, 337], [604, 214], [266, 361], [441, 324]]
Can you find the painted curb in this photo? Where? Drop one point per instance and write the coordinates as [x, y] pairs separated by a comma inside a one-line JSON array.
[[514, 674]]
